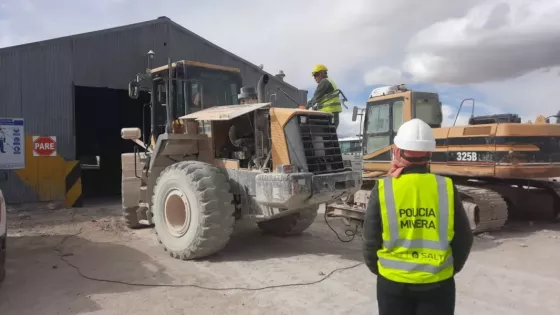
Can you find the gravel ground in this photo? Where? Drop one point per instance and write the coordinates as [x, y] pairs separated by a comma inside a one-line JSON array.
[[54, 255]]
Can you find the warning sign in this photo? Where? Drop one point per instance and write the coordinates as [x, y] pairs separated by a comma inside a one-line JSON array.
[[12, 144], [44, 146]]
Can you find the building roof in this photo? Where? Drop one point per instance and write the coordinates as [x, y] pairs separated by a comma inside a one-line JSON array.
[[160, 20]]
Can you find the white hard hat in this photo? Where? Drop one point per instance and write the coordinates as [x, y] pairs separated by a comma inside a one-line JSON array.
[[415, 135]]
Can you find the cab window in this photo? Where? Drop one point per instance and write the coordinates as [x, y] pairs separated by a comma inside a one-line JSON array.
[[383, 119], [217, 93], [397, 115], [377, 127], [195, 96], [428, 110]]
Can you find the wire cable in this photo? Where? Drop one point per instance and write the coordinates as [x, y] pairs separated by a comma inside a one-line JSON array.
[[351, 234], [63, 256]]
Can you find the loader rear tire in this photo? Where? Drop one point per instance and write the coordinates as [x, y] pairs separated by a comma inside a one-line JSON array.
[[292, 224], [192, 210], [131, 218], [129, 213]]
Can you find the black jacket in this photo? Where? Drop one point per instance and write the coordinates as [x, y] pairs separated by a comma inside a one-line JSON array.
[[372, 239]]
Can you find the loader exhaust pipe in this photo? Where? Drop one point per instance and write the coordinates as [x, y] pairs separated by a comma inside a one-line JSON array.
[[260, 88]]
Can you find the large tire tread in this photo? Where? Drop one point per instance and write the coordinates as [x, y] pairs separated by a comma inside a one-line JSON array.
[[215, 205]]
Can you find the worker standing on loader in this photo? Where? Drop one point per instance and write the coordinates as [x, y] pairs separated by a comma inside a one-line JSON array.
[[416, 233], [326, 94]]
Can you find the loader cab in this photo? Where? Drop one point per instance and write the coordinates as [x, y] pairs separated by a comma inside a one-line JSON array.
[[193, 86], [388, 108]]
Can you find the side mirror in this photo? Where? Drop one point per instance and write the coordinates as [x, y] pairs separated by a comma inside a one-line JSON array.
[[355, 113], [133, 89]]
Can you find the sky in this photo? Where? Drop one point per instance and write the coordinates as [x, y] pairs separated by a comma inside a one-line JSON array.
[[503, 53]]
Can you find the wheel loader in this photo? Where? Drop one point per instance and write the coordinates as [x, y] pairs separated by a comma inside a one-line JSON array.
[[502, 168], [217, 152]]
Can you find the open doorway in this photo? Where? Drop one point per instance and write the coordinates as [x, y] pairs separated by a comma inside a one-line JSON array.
[[100, 114]]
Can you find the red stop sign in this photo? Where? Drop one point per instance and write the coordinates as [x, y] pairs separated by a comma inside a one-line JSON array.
[[44, 146]]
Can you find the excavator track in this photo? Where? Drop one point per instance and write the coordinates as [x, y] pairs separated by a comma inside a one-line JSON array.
[[486, 209], [555, 186], [557, 205]]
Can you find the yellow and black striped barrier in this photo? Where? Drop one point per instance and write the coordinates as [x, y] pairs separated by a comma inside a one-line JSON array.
[[73, 184]]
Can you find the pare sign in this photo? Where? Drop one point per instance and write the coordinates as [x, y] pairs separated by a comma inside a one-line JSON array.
[[44, 146]]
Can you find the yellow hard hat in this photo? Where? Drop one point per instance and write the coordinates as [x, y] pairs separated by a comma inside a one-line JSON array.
[[318, 68]]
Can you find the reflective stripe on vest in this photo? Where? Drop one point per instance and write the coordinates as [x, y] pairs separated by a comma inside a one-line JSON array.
[[330, 103], [420, 259]]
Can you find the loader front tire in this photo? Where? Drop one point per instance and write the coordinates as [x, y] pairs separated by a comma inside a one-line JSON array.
[[291, 224], [192, 210]]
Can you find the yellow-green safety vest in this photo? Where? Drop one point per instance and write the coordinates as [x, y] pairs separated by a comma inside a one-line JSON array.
[[417, 211], [330, 103]]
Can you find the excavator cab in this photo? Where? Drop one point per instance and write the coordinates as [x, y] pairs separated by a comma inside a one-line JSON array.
[[387, 109]]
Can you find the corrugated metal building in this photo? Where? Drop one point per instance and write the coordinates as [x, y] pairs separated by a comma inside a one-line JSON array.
[[38, 83]]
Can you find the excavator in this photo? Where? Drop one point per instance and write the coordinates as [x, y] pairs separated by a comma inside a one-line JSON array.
[[503, 168]]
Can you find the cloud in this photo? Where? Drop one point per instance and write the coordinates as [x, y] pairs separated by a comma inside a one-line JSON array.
[[495, 40], [500, 49], [505, 51], [530, 95], [289, 35], [384, 75]]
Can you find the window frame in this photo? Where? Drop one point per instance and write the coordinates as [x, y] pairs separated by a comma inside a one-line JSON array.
[[393, 117], [426, 95], [391, 134]]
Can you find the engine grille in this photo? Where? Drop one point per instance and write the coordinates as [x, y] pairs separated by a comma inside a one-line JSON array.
[[320, 143]]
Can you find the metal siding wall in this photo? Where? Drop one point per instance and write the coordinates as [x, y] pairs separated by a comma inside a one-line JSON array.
[[47, 102], [112, 59], [13, 188], [59, 98], [36, 83], [10, 85], [186, 46]]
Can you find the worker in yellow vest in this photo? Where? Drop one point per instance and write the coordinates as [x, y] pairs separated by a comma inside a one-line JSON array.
[[416, 234], [326, 95]]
